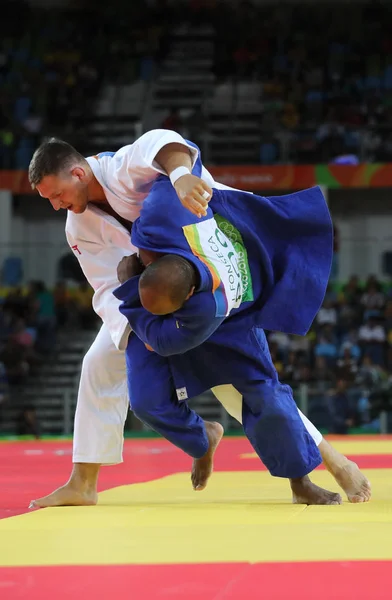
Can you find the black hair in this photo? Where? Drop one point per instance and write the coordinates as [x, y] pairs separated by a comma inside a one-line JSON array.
[[171, 276], [50, 158]]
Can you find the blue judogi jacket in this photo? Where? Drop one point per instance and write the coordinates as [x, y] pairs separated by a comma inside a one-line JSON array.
[[289, 245]]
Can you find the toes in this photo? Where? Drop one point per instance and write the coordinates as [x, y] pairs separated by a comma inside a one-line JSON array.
[[195, 482], [359, 498], [356, 498], [199, 483], [200, 487], [367, 491]]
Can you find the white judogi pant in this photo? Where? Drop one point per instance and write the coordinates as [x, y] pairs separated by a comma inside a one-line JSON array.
[[103, 404]]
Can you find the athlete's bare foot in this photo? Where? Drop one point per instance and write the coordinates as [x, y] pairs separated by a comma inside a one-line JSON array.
[[353, 482], [80, 490], [346, 473], [66, 496], [202, 467], [306, 492]]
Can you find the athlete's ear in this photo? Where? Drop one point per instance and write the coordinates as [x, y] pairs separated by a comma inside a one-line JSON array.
[[190, 293], [78, 172]]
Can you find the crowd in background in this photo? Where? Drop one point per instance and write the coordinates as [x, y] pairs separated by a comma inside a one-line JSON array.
[[346, 359], [29, 322], [53, 63], [326, 90], [322, 81]]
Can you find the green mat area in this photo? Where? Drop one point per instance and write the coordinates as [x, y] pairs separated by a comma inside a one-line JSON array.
[[151, 434]]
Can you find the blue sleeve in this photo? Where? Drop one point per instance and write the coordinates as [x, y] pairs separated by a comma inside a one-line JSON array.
[[170, 334]]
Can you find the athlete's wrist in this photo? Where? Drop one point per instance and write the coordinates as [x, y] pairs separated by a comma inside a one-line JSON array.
[[177, 173]]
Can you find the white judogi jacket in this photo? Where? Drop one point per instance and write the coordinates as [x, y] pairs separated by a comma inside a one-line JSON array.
[[98, 240]]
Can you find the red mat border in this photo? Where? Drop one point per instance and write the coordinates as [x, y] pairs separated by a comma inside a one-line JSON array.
[[362, 580]]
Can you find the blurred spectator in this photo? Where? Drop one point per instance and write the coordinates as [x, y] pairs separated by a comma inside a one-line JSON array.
[[291, 368], [342, 414], [352, 291], [373, 299], [369, 374], [351, 339], [43, 315], [28, 423], [373, 281], [23, 336], [282, 341], [372, 331], [42, 300], [349, 315], [330, 136], [16, 366], [372, 338], [16, 304], [347, 365], [327, 314], [61, 300], [321, 371], [305, 374], [331, 295], [327, 344], [276, 357]]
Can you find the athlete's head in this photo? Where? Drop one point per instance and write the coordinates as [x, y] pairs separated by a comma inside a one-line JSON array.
[[61, 174], [166, 284]]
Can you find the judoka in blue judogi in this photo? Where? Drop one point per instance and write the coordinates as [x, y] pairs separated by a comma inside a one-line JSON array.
[[252, 263]]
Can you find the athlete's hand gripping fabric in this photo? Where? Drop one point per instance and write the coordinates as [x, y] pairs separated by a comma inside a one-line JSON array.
[[129, 267], [194, 194]]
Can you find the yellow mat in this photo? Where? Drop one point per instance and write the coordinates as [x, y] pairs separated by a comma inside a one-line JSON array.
[[240, 517], [352, 448]]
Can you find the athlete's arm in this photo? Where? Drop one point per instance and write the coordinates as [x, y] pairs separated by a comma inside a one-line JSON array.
[[189, 188], [161, 151], [169, 334]]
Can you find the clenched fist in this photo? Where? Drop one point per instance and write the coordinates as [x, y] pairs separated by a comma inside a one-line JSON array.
[[129, 267], [194, 194]]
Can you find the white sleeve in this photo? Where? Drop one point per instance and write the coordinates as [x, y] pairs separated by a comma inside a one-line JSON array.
[[98, 262], [139, 164]]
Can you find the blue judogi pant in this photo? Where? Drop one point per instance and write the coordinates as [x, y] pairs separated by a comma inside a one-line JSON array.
[[155, 402], [270, 416]]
